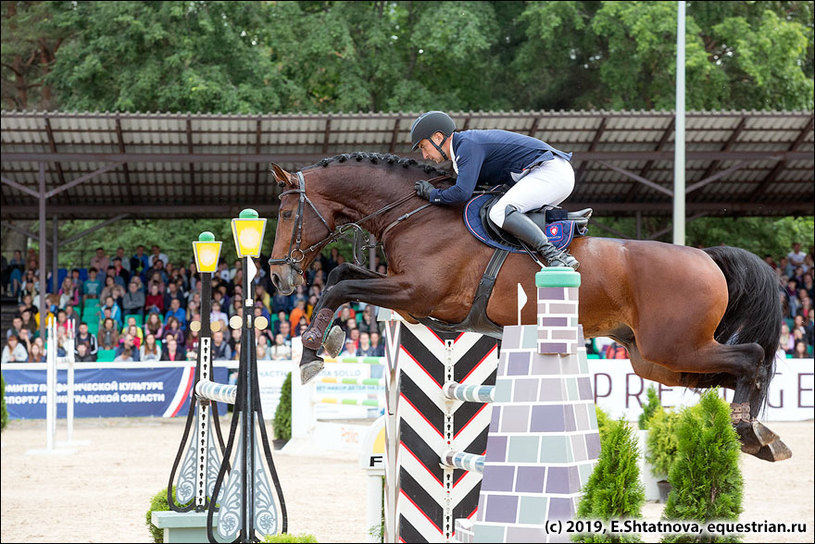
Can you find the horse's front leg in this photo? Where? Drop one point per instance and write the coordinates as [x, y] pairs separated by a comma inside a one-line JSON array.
[[323, 315]]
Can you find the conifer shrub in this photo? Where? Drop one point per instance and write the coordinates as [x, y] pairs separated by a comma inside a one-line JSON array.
[[603, 420], [662, 442], [706, 480], [614, 490], [652, 406], [282, 414], [3, 409]]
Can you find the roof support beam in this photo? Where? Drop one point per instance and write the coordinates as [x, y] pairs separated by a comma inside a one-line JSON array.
[[326, 134], [670, 228], [86, 177], [395, 135], [52, 145], [638, 178], [121, 141], [191, 184], [702, 182], [534, 129], [94, 228], [258, 135], [19, 187], [648, 165], [762, 186], [21, 230], [592, 146]]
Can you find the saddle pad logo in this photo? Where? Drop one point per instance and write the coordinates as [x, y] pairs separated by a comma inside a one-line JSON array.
[[555, 230]]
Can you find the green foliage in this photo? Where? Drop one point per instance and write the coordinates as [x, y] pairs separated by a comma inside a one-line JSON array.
[[706, 480], [650, 408], [3, 409], [662, 442], [260, 57], [603, 421], [761, 235], [614, 490], [282, 414], [158, 503], [286, 537]]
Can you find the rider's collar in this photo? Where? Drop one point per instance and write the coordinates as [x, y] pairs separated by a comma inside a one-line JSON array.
[[453, 153]]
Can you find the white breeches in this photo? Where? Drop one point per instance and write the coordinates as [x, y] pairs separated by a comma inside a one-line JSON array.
[[548, 184]]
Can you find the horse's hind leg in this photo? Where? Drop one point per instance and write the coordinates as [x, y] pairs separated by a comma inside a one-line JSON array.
[[735, 366]]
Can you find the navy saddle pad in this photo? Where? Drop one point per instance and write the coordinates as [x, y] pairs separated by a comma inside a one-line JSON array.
[[560, 232]]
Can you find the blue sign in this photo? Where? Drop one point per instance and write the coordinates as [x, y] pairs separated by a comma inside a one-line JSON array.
[[106, 392]]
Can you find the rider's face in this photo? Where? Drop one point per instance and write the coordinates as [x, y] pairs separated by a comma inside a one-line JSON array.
[[429, 152]]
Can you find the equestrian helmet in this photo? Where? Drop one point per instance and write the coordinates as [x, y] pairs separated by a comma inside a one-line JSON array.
[[427, 124]]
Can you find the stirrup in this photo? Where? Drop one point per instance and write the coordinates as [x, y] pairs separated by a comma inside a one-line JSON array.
[[558, 259]]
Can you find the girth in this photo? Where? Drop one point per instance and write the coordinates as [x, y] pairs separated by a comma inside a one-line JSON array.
[[476, 320]]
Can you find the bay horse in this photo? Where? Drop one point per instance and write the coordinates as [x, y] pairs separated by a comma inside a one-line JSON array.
[[688, 317]]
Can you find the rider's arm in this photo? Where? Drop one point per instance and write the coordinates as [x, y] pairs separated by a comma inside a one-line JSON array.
[[469, 159]]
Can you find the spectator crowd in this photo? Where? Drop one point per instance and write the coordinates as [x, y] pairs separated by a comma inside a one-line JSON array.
[[139, 308]]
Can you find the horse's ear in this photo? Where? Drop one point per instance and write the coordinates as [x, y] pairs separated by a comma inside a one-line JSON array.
[[282, 177]]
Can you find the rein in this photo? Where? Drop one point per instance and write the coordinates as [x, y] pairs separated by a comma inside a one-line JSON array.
[[296, 255]]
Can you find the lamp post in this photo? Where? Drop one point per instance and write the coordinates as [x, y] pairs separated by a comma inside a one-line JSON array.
[[247, 503], [203, 457]]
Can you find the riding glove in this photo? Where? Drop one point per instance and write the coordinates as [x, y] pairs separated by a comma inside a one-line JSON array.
[[423, 188]]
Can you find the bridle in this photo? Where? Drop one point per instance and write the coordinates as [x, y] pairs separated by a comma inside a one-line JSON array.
[[296, 254]]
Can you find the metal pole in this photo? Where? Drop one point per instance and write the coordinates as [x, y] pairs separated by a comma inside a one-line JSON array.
[[42, 273], [679, 140], [248, 363], [205, 361], [55, 256]]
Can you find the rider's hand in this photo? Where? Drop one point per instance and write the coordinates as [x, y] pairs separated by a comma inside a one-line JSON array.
[[423, 188]]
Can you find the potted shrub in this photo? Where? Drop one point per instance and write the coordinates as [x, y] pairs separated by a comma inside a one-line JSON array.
[[661, 447], [282, 415]]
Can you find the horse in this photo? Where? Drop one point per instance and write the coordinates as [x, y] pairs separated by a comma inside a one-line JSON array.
[[688, 317]]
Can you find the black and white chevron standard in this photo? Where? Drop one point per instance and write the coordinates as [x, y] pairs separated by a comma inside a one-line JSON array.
[[424, 500]]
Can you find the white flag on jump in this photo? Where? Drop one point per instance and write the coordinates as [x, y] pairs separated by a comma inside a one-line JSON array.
[[521, 301]]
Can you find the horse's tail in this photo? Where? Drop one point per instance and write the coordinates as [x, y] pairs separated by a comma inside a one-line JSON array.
[[753, 310]]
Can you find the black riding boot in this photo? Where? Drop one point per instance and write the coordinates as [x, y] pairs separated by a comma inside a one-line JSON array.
[[527, 231]]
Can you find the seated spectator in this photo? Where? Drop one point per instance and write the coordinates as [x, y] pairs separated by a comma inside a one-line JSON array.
[[800, 351], [62, 321], [377, 347], [313, 300], [353, 334], [368, 322], [82, 355], [364, 348], [71, 316], [107, 290], [285, 330], [178, 313], [133, 301], [263, 297], [135, 332], [108, 336], [138, 262], [234, 339], [150, 351], [127, 352], [173, 328], [16, 327], [115, 311], [302, 327], [615, 351], [30, 286], [100, 261], [281, 303], [796, 257], [234, 283], [350, 349], [92, 287], [77, 283], [280, 351], [37, 354], [85, 337], [172, 352], [192, 313], [120, 273], [29, 322], [13, 351], [220, 348], [153, 325], [120, 254], [786, 342], [261, 337], [156, 255], [298, 313], [16, 270], [261, 353], [154, 300], [174, 293], [191, 342], [68, 294], [236, 305], [158, 276], [217, 315]]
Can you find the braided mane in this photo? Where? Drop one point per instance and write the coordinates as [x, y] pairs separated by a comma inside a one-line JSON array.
[[386, 158]]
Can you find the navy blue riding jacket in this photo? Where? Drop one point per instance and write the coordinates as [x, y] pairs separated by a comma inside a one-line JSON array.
[[488, 157]]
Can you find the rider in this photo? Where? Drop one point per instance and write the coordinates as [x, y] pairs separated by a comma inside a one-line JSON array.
[[538, 173]]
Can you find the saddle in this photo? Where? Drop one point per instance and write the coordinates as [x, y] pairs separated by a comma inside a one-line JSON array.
[[560, 226]]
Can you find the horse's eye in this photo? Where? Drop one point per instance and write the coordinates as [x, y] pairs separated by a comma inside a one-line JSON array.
[[287, 214]]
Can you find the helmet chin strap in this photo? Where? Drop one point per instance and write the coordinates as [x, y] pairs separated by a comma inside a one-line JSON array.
[[438, 147]]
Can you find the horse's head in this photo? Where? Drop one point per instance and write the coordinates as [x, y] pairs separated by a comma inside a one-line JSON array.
[[301, 232]]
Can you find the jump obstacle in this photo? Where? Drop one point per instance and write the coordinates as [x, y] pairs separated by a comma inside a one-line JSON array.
[[469, 461], [213, 486]]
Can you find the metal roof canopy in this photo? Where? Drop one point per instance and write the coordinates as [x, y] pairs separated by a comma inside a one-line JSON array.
[[103, 165]]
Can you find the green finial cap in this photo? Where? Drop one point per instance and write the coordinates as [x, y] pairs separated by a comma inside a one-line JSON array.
[[560, 276], [206, 236], [249, 213]]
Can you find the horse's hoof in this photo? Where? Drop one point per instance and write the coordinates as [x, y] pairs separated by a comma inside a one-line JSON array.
[[777, 451], [764, 435], [309, 370], [749, 441], [334, 342]]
